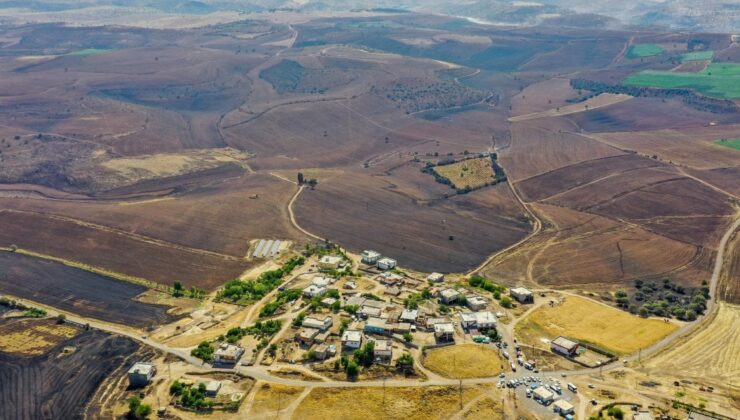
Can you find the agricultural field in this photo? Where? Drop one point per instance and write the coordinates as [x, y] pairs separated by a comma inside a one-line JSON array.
[[697, 56], [594, 323], [469, 173], [716, 80], [77, 291], [33, 337], [464, 361], [731, 143], [644, 50]]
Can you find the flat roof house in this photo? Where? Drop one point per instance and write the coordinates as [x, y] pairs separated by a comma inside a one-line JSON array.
[[330, 262], [321, 324], [409, 315], [383, 350], [542, 395], [387, 263], [392, 291], [522, 295], [432, 321], [377, 326], [562, 345], [479, 320], [313, 290], [306, 336], [476, 303], [212, 388], [563, 407], [352, 339], [370, 312], [436, 277], [321, 281], [141, 374], [370, 257], [228, 353], [449, 295], [444, 331]]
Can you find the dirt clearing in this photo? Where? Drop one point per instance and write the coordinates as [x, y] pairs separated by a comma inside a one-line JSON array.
[[464, 361]]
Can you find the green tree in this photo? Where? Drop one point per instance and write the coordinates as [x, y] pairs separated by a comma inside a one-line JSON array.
[[300, 178], [352, 369], [506, 302], [177, 289], [407, 337]]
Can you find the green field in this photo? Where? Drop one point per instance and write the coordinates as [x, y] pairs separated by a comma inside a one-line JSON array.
[[697, 56], [644, 50], [731, 143], [717, 80], [88, 51]]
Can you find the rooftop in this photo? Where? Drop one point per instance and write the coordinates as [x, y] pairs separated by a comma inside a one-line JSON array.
[[142, 368], [383, 345], [565, 343], [213, 386], [228, 350], [543, 393], [444, 328], [521, 291], [562, 405], [352, 335]]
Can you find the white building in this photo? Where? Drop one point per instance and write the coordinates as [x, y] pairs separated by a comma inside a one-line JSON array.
[[387, 263], [228, 353], [436, 277], [522, 295], [314, 290], [370, 257], [564, 346], [480, 320], [141, 374], [444, 331], [563, 407], [383, 350], [542, 395], [409, 315], [352, 339], [476, 303], [321, 324], [449, 295], [330, 262], [321, 281], [212, 388]]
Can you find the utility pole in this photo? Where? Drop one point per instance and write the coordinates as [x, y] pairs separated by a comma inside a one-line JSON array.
[[461, 399]]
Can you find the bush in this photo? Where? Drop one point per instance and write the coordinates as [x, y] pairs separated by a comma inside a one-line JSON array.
[[204, 352], [506, 302], [407, 337], [352, 369]]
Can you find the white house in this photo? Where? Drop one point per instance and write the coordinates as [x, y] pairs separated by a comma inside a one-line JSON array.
[[212, 388], [409, 315], [387, 263], [330, 262], [480, 320], [522, 295], [563, 407], [228, 353], [449, 295], [436, 277], [314, 290], [352, 339], [321, 324], [444, 331], [542, 395], [564, 346], [141, 374], [476, 303], [370, 257], [321, 281], [383, 350]]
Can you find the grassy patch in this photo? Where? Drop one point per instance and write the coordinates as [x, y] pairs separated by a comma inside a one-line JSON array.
[[594, 323], [472, 173], [717, 80], [33, 337], [644, 50], [731, 143], [464, 361], [697, 56]]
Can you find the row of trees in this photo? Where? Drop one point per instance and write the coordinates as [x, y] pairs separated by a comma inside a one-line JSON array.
[[239, 291], [665, 299]]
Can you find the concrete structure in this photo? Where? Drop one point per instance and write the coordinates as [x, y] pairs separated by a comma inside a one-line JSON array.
[[436, 277], [307, 336], [383, 351], [480, 320], [542, 395], [370, 257], [409, 315], [212, 388], [476, 303], [377, 326], [522, 295], [432, 321], [444, 331], [321, 324], [563, 407], [328, 301], [322, 281], [314, 291], [401, 328], [321, 351], [141, 374], [387, 263], [392, 291], [390, 279], [351, 285], [370, 312], [448, 296], [352, 339], [330, 262], [562, 345], [642, 415], [322, 337], [228, 354]]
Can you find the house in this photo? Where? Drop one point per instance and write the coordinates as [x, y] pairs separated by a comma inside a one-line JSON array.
[[328, 301], [383, 351], [314, 291], [212, 388], [436, 278], [432, 321], [409, 315], [351, 285], [370, 312], [563, 346], [387, 263], [228, 354], [390, 279], [322, 337], [321, 351], [542, 395], [370, 257], [393, 291], [330, 262], [476, 303], [522, 295], [307, 336], [448, 296], [401, 328], [563, 407], [352, 339], [321, 324], [356, 300], [479, 320], [377, 326], [444, 331], [141, 374], [321, 281]]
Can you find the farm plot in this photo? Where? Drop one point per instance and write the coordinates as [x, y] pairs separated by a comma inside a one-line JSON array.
[[644, 50], [469, 173], [716, 80], [594, 323], [731, 143], [464, 361], [77, 291], [33, 337], [57, 384]]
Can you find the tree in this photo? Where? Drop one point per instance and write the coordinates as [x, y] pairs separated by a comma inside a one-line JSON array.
[[405, 362], [312, 183], [301, 179], [352, 369], [644, 311], [407, 337], [506, 302], [138, 410], [61, 318], [178, 289]]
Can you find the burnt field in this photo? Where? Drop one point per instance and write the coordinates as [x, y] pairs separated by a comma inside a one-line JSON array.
[[58, 385], [77, 291]]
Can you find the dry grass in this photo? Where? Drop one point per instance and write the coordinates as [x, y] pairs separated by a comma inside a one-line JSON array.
[[273, 397], [485, 408], [591, 322], [432, 402], [464, 361], [599, 101], [473, 173], [33, 337]]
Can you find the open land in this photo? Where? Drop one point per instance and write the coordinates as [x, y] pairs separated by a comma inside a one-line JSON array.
[[463, 361], [473, 173], [644, 50]]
